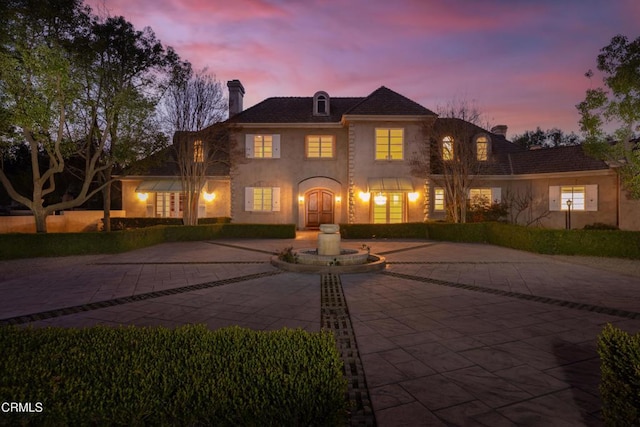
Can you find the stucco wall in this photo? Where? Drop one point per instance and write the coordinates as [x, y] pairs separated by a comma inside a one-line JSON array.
[[291, 173]]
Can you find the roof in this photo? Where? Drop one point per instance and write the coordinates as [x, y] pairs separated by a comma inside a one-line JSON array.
[[558, 159], [382, 101]]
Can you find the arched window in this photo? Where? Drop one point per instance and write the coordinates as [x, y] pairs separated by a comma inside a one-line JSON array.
[[321, 104], [482, 148], [447, 148]]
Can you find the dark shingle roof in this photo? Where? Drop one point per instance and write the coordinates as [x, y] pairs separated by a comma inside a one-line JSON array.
[[559, 159], [382, 101]]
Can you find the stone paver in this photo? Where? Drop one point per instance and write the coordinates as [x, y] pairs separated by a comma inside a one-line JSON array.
[[449, 334]]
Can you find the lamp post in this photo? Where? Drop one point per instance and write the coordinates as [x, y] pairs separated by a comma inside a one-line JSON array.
[[568, 214]]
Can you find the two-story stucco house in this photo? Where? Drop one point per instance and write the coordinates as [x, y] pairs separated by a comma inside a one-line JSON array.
[[323, 159]]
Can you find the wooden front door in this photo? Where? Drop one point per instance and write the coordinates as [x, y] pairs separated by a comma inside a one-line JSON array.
[[319, 208]]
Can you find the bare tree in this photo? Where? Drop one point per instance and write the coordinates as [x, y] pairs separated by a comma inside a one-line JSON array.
[[194, 105], [453, 159]]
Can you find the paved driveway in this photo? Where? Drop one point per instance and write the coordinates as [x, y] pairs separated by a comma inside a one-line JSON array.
[[448, 334]]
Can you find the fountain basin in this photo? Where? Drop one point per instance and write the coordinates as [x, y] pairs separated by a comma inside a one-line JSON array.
[[372, 263]]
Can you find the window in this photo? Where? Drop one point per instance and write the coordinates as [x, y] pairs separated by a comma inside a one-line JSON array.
[[262, 199], [388, 208], [198, 151], [575, 195], [447, 148], [582, 197], [321, 104], [482, 148], [389, 144], [485, 196], [320, 147], [262, 146], [438, 201], [169, 205]]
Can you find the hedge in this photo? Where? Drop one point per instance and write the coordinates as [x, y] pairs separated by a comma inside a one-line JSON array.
[[620, 377], [184, 376], [125, 223], [27, 245], [609, 243]]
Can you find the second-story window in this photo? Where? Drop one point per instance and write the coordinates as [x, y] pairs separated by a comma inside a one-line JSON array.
[[482, 148], [198, 151], [447, 148], [320, 147], [262, 146], [389, 144]]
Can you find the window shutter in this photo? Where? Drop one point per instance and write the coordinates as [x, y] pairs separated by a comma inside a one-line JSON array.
[[591, 198], [275, 140], [496, 195], [554, 198], [248, 145], [275, 195], [248, 199]]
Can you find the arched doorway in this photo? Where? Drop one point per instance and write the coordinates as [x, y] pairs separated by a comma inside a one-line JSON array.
[[319, 207]]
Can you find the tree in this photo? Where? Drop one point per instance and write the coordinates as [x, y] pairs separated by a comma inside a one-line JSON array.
[[617, 105], [37, 90], [543, 139], [451, 160], [74, 86], [125, 72], [194, 104]]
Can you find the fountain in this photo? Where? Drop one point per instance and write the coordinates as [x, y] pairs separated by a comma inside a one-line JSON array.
[[330, 257]]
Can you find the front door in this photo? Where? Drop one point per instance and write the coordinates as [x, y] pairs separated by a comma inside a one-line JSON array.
[[319, 208]]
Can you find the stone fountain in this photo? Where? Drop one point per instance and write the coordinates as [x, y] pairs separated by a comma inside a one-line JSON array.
[[329, 256]]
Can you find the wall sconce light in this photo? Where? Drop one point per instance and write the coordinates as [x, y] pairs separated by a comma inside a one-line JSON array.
[[380, 199], [413, 196], [300, 199], [143, 196], [209, 197], [365, 197], [338, 199]]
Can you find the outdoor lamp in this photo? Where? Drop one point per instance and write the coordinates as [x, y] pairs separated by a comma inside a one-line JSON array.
[[365, 197], [209, 197], [143, 196], [380, 199], [413, 196]]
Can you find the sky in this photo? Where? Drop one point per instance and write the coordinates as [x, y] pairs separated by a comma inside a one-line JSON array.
[[520, 62]]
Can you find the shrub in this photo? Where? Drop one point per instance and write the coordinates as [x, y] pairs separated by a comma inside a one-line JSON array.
[[620, 382], [185, 376], [600, 226], [388, 231], [126, 223]]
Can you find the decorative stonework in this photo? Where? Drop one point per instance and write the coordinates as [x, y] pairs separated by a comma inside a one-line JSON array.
[[351, 173]]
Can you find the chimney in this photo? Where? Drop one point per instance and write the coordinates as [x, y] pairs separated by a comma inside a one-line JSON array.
[[236, 93], [500, 130]]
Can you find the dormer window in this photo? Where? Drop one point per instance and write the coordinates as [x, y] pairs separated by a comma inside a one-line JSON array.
[[482, 148], [321, 104]]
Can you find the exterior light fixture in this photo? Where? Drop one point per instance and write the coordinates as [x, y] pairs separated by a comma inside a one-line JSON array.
[[365, 197], [338, 199], [380, 199], [143, 196], [209, 197], [301, 199], [413, 196], [568, 219]]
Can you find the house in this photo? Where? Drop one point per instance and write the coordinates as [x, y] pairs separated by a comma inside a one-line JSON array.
[[322, 159]]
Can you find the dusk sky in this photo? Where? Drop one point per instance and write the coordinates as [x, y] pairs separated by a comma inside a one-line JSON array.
[[521, 62]]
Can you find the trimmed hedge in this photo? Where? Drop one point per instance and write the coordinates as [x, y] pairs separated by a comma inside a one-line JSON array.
[[125, 223], [620, 382], [26, 245], [184, 376], [608, 243]]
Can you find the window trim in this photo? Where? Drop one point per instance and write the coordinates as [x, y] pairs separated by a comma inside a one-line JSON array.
[[320, 141], [249, 144], [388, 156]]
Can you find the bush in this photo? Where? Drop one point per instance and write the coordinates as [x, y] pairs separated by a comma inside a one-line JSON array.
[[386, 231], [620, 382], [121, 223], [185, 376], [22, 245]]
